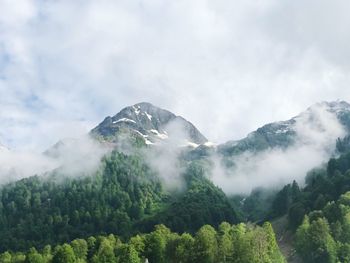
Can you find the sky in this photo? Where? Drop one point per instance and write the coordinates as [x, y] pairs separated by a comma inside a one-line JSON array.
[[227, 66]]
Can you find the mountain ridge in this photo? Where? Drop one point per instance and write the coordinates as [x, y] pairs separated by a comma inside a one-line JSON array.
[[150, 123], [282, 134]]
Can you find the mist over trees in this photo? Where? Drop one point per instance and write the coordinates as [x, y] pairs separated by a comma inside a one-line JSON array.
[[108, 212], [123, 197]]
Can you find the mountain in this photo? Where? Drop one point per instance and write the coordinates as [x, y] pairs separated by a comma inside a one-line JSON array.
[[128, 193], [151, 124], [284, 134]]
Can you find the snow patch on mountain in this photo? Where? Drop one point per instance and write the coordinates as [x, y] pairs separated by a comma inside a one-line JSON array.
[[149, 116], [124, 120], [145, 137], [162, 136]]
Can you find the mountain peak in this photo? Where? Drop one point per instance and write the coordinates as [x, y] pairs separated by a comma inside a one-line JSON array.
[[150, 123]]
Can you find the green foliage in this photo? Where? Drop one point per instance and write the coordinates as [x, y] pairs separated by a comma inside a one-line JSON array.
[[180, 249], [5, 257], [201, 203], [128, 254], [123, 197], [322, 186], [205, 245], [80, 248], [34, 257], [284, 199], [324, 236], [315, 243], [225, 242], [105, 253], [274, 254], [37, 211], [230, 244], [64, 254], [257, 206], [156, 244]]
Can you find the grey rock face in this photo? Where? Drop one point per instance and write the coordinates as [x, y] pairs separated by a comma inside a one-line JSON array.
[[149, 122]]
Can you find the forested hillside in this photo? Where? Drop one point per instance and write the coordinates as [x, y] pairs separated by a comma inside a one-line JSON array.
[[123, 197], [323, 185], [319, 213], [324, 235]]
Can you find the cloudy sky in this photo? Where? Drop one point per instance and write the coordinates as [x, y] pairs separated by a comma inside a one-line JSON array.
[[227, 66]]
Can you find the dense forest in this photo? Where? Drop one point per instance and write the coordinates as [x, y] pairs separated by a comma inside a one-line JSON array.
[[123, 197], [229, 243], [52, 218], [324, 235], [323, 185], [319, 213], [105, 216]]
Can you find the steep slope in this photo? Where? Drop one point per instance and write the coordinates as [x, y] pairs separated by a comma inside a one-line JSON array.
[[284, 134], [53, 209], [201, 203], [123, 197], [318, 214], [152, 124]]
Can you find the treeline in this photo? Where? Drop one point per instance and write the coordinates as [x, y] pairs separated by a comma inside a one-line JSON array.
[[323, 185], [36, 211], [319, 213], [324, 235], [124, 197], [229, 243]]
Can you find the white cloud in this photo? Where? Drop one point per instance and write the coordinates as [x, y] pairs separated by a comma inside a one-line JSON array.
[[71, 157], [316, 134], [227, 66]]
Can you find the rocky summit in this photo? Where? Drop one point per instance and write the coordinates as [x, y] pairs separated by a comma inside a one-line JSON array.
[[150, 123]]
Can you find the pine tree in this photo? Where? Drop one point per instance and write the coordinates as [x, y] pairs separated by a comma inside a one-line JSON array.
[[273, 249]]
